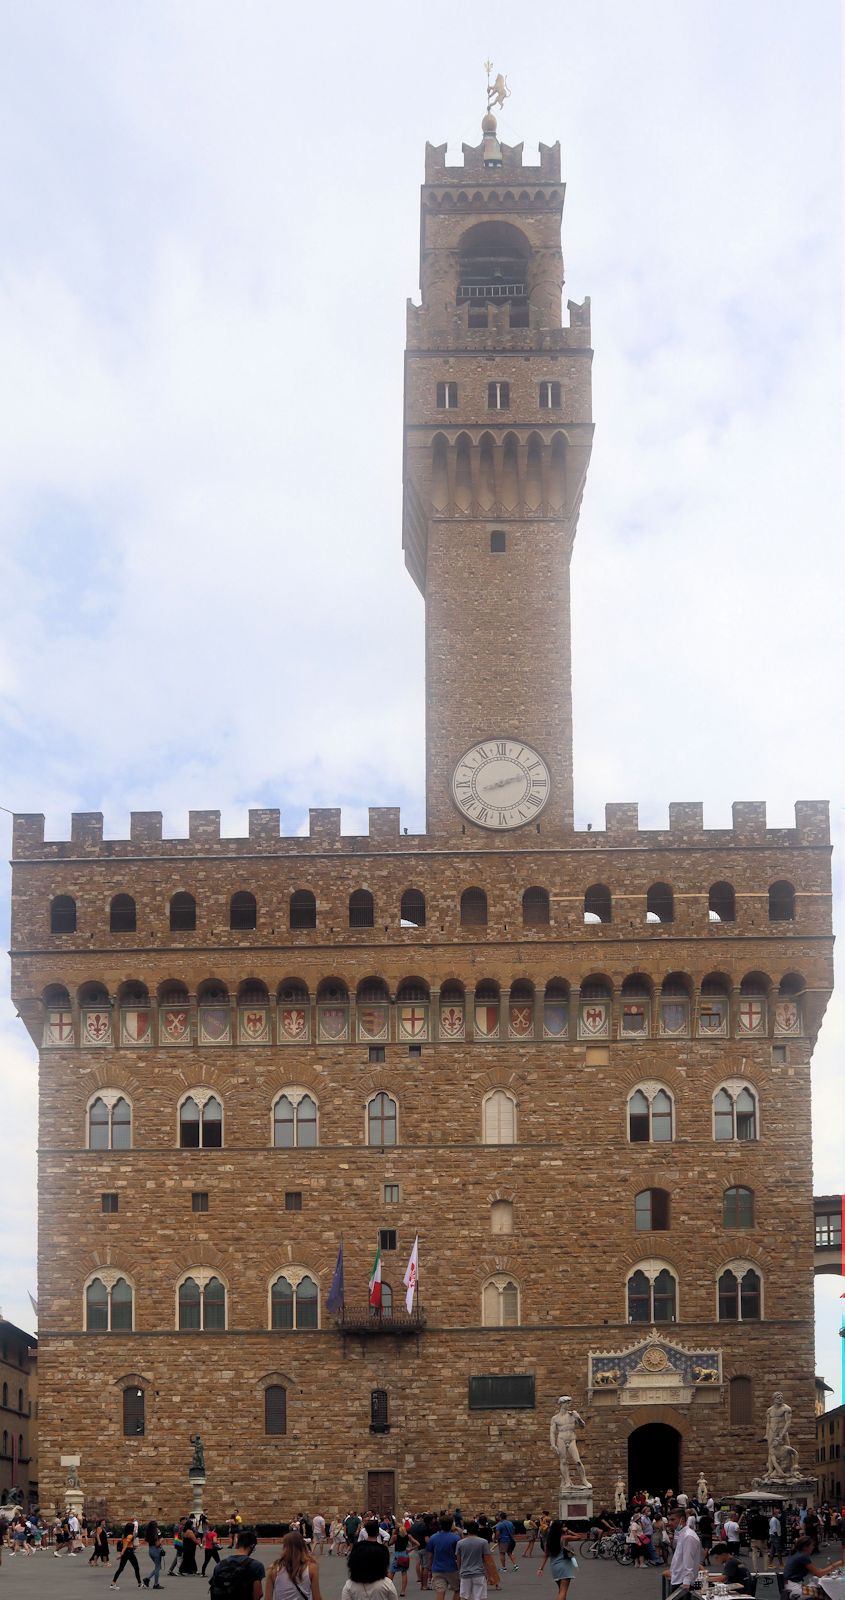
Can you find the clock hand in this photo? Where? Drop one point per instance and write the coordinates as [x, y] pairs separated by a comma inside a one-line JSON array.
[[503, 783]]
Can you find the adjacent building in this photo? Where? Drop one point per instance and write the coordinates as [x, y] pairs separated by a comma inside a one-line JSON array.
[[18, 1415], [576, 1064]]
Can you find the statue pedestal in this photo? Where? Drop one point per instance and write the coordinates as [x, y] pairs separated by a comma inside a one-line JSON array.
[[74, 1502], [574, 1504], [782, 1489], [197, 1485]]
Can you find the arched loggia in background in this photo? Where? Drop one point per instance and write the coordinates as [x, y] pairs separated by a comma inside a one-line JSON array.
[[654, 1458]]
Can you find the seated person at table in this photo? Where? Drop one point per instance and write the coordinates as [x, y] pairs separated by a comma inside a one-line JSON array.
[[800, 1564], [733, 1570]]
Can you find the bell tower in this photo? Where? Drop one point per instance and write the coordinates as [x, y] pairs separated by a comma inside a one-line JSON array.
[[498, 432]]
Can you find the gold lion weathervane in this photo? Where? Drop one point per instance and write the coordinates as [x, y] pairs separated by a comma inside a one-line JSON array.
[[497, 91]]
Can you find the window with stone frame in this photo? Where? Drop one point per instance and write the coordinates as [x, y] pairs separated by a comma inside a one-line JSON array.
[[275, 1409], [201, 1302], [500, 1303], [740, 1291], [382, 1120], [133, 1411], [200, 1121], [109, 1121], [108, 1303], [735, 1112], [294, 1301], [652, 1293], [295, 1120], [738, 1207], [650, 1114]]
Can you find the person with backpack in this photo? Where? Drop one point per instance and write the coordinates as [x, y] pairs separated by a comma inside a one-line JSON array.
[[127, 1555], [295, 1575], [240, 1576]]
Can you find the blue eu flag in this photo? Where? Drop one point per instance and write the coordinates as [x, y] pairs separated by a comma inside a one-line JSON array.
[[335, 1295]]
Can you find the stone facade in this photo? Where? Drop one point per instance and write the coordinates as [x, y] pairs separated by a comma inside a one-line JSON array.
[[514, 1156]]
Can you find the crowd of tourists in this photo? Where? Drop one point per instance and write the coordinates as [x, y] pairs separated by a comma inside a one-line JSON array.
[[448, 1553]]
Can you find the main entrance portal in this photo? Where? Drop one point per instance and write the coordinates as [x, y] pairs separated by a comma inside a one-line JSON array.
[[654, 1459]]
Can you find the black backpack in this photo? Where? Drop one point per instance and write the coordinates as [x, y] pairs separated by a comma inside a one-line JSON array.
[[232, 1579]]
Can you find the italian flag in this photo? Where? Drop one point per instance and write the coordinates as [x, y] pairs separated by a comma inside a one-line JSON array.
[[375, 1281]]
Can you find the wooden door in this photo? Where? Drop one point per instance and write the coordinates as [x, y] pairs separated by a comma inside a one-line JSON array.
[[381, 1492]]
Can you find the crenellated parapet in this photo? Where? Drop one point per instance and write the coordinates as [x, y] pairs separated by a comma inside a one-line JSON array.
[[686, 830], [513, 168]]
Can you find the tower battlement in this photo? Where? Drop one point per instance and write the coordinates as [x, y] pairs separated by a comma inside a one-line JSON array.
[[686, 830], [439, 171]]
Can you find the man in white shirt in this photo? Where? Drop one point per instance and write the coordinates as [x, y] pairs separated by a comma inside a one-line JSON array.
[[686, 1555]]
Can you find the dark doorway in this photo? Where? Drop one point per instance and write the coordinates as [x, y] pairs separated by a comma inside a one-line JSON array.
[[381, 1492], [654, 1459]]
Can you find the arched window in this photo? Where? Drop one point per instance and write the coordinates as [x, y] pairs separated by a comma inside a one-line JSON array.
[[594, 1009], [333, 1011], [108, 1304], [501, 1216], [635, 1021], [122, 918], [295, 1120], [722, 903], [63, 914], [498, 542], [412, 1011], [373, 1011], [741, 1402], [302, 910], [5, 1396], [500, 1302], [652, 1292], [739, 1293], [379, 1411], [597, 903], [183, 913], [714, 1007], [20, 1399], [386, 1298], [486, 1012], [243, 912], [109, 1121], [556, 1010], [452, 1014], [499, 1118], [674, 1007], [781, 902], [473, 909], [738, 1207], [381, 1120], [412, 909], [201, 1302], [651, 1211], [650, 1114], [660, 904], [788, 1005], [521, 1010], [535, 908], [275, 1409], [752, 1010], [735, 1112], [133, 1411], [361, 909], [294, 1300], [200, 1121]]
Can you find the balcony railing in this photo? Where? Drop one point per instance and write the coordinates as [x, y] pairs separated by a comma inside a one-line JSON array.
[[370, 1322]]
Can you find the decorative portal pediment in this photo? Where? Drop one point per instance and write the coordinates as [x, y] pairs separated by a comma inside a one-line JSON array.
[[655, 1371]]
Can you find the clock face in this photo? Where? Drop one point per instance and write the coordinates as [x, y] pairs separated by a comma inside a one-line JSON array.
[[501, 783]]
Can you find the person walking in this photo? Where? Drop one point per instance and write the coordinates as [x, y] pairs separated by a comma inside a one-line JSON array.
[[400, 1564], [319, 1534], [506, 1540], [530, 1525], [557, 1552], [731, 1532], [127, 1556], [444, 1564], [100, 1545], [296, 1574], [210, 1547], [758, 1531], [368, 1561], [240, 1574], [775, 1552], [190, 1544], [155, 1551], [476, 1565]]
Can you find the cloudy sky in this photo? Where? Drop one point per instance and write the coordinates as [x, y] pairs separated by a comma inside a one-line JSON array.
[[210, 231]]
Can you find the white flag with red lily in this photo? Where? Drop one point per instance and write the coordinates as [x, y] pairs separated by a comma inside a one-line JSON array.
[[375, 1281], [411, 1275]]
